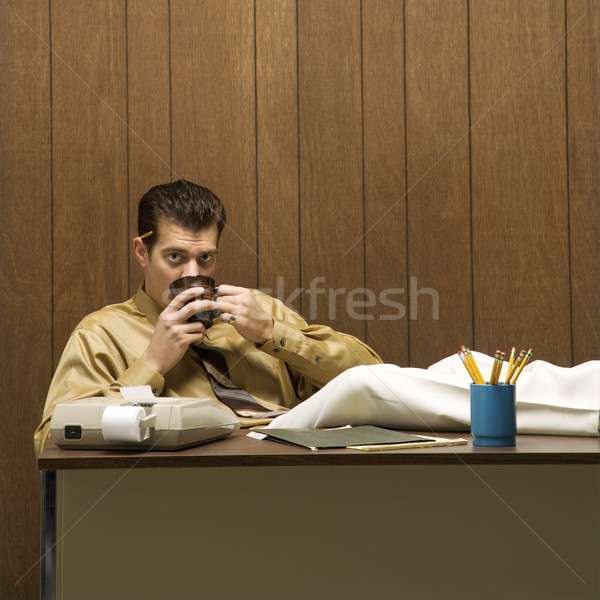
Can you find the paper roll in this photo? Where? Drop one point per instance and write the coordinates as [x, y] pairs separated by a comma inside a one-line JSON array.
[[122, 423]]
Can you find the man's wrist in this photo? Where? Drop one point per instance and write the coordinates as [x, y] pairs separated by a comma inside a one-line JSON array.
[[267, 335], [142, 372]]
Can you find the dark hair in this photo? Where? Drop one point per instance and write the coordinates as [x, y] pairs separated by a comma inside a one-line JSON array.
[[184, 203]]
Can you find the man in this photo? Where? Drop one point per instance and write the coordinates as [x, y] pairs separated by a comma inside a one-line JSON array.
[[269, 350]]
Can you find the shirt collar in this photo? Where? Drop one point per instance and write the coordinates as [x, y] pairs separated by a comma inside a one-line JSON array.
[[147, 305]]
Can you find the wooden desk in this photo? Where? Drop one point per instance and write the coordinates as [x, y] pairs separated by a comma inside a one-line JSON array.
[[242, 518]]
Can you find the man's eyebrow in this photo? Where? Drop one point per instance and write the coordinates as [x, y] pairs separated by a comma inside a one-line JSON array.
[[186, 251], [174, 249]]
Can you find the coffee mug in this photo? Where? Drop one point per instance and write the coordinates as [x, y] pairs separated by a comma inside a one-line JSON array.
[[210, 293]]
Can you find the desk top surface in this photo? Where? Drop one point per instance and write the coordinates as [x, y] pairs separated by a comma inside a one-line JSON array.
[[240, 451]]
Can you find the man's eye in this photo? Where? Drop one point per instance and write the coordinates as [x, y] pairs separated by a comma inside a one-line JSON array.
[[206, 257], [174, 257]]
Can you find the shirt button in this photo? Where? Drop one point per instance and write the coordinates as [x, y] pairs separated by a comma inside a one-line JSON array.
[[155, 392], [318, 359], [275, 350], [282, 342]]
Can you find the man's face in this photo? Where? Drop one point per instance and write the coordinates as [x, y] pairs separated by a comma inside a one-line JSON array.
[[178, 252]]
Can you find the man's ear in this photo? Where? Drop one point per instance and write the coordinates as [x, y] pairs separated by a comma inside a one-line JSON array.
[[141, 252]]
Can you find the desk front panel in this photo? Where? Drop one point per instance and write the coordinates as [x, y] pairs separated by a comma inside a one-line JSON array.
[[330, 532]]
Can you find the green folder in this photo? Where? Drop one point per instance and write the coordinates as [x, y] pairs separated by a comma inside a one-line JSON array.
[[342, 437]]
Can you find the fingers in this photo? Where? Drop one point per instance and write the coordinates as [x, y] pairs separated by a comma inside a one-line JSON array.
[[231, 313], [238, 307], [229, 318], [177, 326], [173, 333], [231, 290], [186, 304], [181, 299], [236, 300]]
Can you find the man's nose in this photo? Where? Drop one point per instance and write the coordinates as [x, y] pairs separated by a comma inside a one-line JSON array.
[[191, 268]]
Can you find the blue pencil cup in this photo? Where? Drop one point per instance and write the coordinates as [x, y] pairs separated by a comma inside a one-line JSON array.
[[493, 415]]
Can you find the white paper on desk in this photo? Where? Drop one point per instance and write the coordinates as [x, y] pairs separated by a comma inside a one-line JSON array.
[[139, 394], [550, 400]]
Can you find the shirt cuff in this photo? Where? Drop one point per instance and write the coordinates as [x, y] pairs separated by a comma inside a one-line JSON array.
[[289, 344], [141, 373]]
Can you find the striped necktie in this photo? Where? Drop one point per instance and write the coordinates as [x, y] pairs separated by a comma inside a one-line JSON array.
[[236, 398]]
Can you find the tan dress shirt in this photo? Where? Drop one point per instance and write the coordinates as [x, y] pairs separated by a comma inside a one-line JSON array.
[[103, 355]]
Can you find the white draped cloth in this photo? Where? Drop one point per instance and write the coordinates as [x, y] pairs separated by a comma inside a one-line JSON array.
[[551, 400]]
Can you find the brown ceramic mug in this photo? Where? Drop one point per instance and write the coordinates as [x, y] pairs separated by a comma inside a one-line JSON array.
[[210, 293]]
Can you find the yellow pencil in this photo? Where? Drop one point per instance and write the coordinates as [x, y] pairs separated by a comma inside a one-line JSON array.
[[516, 365], [513, 352], [495, 368], [147, 234], [465, 358], [525, 361], [478, 376], [499, 362], [467, 365]]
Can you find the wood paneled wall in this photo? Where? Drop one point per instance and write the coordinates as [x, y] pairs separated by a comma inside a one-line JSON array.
[[419, 173]]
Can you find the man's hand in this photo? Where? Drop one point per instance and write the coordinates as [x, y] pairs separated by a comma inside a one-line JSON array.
[[239, 307], [173, 334]]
